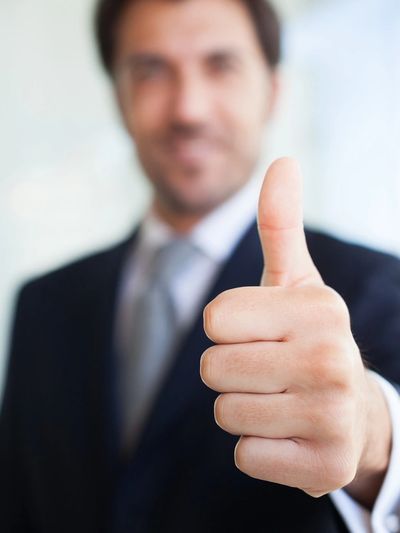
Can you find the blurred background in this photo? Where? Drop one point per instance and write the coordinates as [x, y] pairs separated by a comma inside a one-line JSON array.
[[69, 182]]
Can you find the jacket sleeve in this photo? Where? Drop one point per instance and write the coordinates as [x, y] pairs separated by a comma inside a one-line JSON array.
[[376, 320]]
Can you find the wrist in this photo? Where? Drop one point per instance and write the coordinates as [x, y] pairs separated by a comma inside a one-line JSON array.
[[375, 456]]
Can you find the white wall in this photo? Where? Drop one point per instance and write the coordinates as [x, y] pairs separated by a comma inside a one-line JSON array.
[[69, 182], [349, 52]]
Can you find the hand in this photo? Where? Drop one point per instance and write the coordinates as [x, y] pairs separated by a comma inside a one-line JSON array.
[[292, 379]]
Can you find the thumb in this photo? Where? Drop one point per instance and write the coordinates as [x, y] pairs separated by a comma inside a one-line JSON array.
[[287, 261]]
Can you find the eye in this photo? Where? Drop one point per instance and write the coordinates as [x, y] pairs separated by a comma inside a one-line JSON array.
[[149, 69], [143, 67], [222, 63]]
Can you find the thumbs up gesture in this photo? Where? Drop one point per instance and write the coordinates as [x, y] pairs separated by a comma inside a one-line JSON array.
[[292, 382]]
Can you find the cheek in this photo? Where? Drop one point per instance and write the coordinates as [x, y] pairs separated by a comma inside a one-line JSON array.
[[259, 98], [245, 108], [245, 127], [144, 113], [256, 110]]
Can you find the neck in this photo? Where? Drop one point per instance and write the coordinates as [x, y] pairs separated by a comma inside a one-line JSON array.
[[181, 223]]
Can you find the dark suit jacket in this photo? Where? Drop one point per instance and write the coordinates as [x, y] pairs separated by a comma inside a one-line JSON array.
[[60, 470]]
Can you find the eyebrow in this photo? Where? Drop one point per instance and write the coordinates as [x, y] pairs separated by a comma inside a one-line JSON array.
[[143, 58], [146, 58], [224, 54]]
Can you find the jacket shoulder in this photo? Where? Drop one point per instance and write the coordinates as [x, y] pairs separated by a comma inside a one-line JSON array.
[[345, 262], [80, 275]]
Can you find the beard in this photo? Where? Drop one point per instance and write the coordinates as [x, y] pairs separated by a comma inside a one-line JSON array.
[[193, 169]]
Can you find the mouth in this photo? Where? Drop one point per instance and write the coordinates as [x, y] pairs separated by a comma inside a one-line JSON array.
[[192, 151]]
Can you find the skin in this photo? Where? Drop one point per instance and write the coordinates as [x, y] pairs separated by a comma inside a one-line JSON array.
[[195, 100], [195, 93], [292, 379]]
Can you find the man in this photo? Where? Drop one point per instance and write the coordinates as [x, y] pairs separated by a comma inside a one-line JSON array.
[[106, 425]]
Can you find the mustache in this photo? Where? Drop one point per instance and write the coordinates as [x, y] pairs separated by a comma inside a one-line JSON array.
[[180, 132]]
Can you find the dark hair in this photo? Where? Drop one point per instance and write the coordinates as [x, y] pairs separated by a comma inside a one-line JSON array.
[[263, 15]]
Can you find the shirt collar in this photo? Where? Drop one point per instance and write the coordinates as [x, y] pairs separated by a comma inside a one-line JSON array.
[[218, 233], [215, 235]]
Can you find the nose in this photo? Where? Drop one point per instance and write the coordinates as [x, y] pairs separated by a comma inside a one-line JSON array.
[[191, 103]]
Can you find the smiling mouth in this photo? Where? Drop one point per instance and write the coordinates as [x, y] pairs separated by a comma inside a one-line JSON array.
[[192, 151]]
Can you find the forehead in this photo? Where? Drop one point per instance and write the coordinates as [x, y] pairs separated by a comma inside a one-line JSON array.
[[186, 27]]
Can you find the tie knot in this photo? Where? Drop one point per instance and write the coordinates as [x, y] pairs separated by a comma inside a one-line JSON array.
[[169, 260]]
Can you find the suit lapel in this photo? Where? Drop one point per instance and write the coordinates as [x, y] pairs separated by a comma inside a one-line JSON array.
[[183, 384], [99, 323]]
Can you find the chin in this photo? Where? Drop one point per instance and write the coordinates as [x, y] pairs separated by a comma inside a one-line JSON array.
[[194, 189], [196, 202]]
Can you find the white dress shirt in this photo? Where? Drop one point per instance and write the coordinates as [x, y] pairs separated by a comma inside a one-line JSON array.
[[216, 237]]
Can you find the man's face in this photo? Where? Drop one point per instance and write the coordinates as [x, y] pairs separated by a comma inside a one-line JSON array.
[[195, 92]]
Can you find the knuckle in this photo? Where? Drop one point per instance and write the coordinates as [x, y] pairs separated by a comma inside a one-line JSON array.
[[334, 469], [244, 456], [230, 412], [341, 471], [209, 316], [219, 410], [329, 307], [214, 313], [207, 367], [338, 422], [335, 309], [330, 419], [323, 364], [329, 364], [221, 366], [345, 413], [315, 419], [222, 412]]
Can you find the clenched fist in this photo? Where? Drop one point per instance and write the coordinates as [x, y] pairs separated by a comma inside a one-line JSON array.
[[291, 378]]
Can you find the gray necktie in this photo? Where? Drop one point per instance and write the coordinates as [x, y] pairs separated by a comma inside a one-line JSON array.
[[155, 334]]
